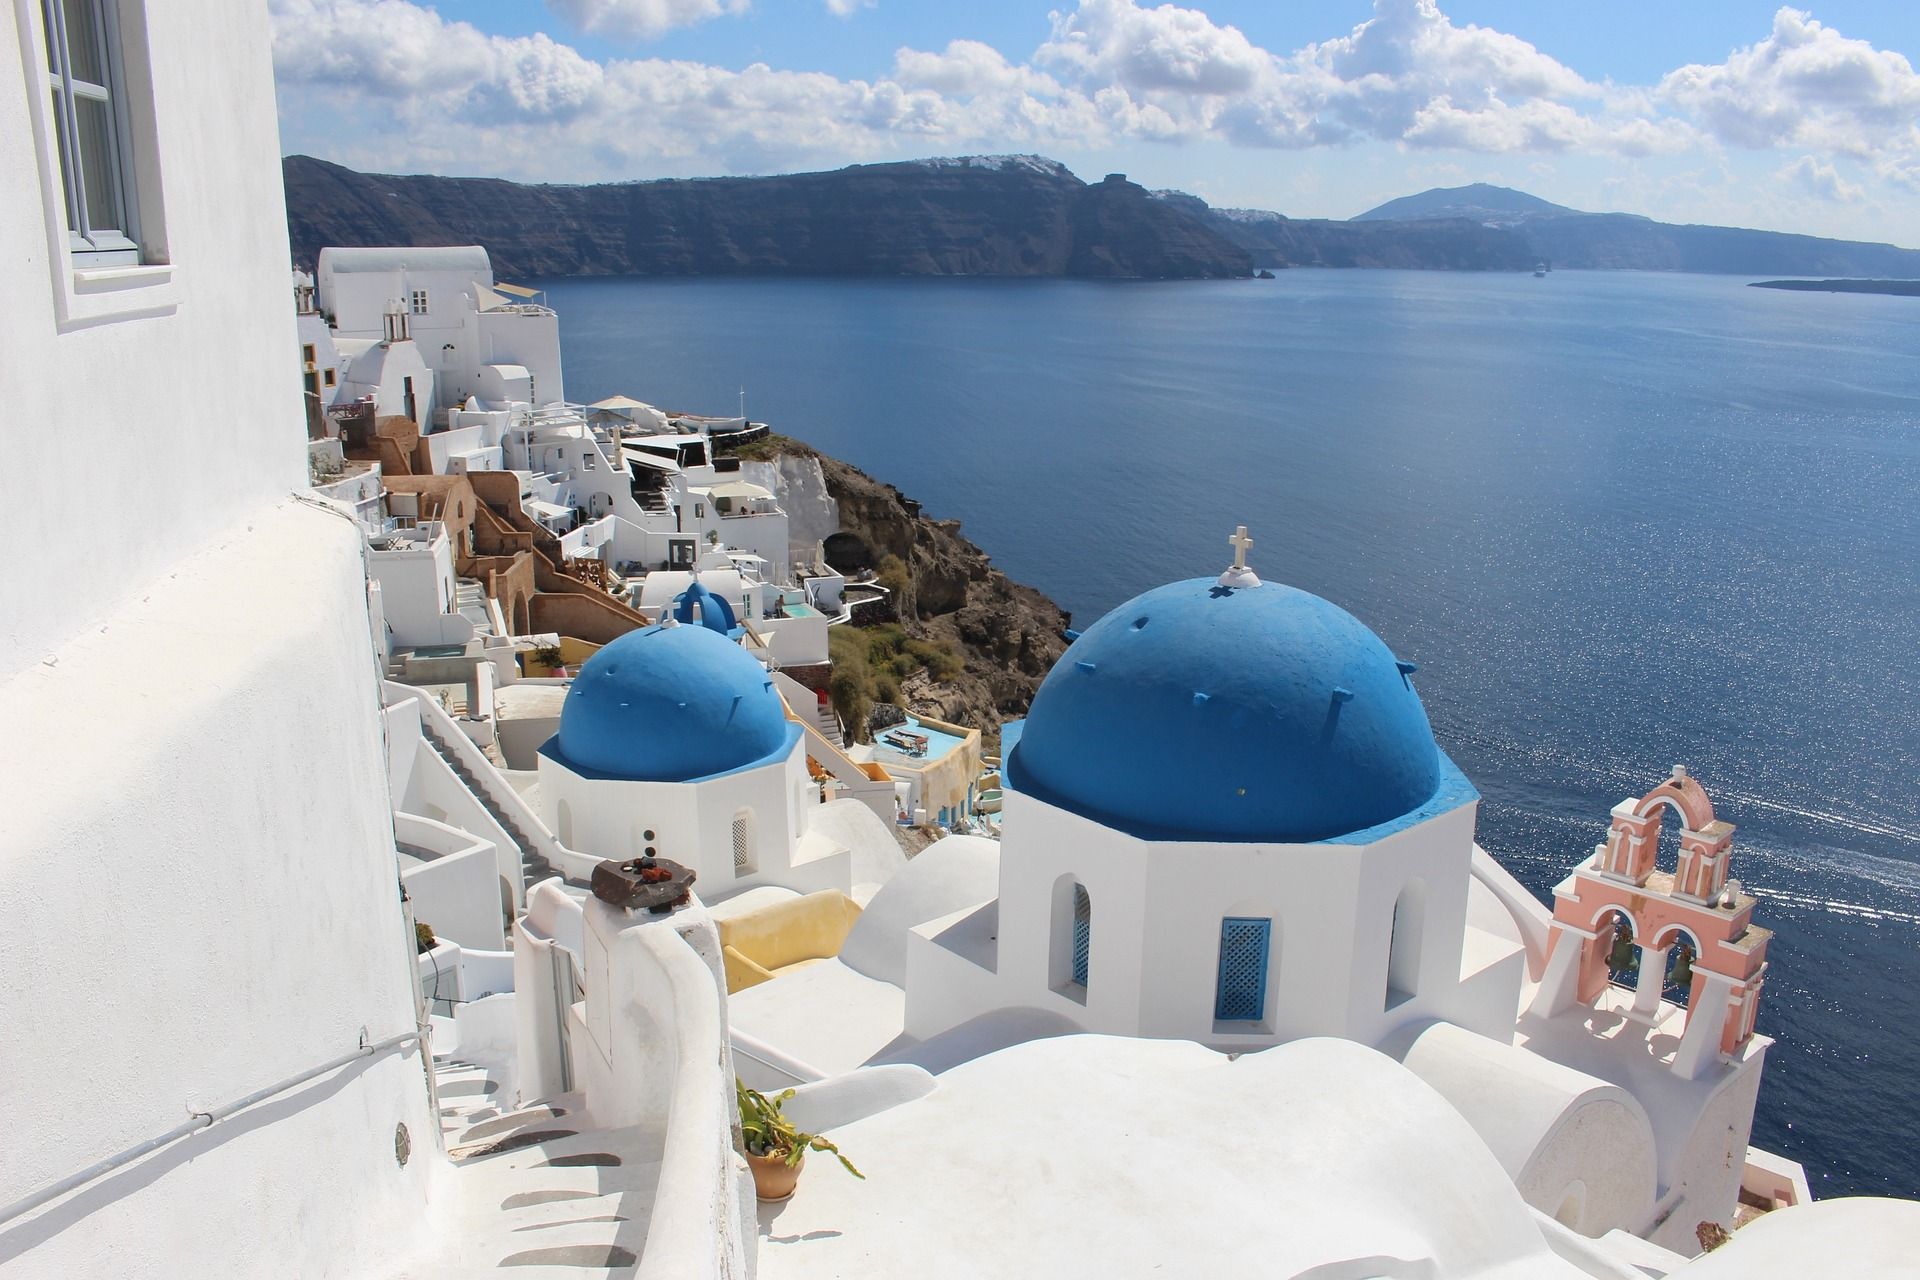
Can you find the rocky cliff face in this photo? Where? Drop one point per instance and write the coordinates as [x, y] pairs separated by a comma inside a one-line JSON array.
[[1009, 634], [1032, 218]]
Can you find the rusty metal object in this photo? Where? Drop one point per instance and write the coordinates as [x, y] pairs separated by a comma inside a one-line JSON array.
[[655, 884]]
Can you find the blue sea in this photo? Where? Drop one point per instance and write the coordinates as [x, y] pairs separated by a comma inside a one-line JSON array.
[[1620, 520]]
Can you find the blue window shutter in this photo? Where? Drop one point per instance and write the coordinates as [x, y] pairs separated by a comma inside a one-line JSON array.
[[1242, 996], [1082, 933]]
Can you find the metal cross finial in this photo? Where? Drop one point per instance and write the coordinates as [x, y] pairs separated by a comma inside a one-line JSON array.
[[1240, 542]]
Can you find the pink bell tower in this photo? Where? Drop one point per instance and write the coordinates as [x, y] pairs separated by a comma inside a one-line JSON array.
[[1695, 904]]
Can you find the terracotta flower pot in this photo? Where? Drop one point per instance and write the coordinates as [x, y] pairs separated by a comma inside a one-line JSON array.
[[773, 1179]]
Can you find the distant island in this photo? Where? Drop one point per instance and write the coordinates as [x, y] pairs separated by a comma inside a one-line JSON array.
[[1005, 216], [1903, 288]]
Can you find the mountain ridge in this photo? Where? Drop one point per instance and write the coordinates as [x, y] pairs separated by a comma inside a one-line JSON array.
[[1479, 201], [1014, 215], [968, 216]]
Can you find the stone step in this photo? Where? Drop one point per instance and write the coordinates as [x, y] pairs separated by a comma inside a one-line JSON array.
[[508, 1123]]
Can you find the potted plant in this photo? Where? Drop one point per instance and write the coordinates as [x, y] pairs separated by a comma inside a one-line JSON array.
[[775, 1149]]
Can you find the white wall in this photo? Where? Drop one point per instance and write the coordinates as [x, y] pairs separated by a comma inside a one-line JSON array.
[[529, 338], [198, 867], [383, 372], [692, 823], [417, 593], [225, 822], [458, 890], [1155, 932], [221, 336]]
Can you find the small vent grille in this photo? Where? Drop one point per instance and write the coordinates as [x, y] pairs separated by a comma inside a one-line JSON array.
[[742, 863], [1082, 932], [1243, 969]]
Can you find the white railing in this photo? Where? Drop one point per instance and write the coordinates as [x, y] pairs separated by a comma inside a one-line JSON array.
[[201, 1119], [696, 1204], [571, 865]]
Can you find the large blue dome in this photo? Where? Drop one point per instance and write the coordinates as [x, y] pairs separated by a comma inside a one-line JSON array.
[[1203, 712], [666, 704]]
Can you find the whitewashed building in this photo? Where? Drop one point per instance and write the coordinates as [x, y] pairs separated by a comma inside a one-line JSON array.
[[197, 845], [478, 338]]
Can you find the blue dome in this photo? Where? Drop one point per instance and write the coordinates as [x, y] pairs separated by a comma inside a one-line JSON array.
[[1200, 712], [698, 605], [666, 704]]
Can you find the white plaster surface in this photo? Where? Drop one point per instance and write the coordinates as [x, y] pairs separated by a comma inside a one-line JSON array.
[[254, 924], [223, 355], [951, 873], [1860, 1238], [825, 1014], [1579, 1149], [1161, 1159]]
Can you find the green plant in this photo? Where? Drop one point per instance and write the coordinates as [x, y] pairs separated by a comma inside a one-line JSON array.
[[940, 661], [423, 939], [547, 655], [894, 577], [851, 685], [769, 1133]]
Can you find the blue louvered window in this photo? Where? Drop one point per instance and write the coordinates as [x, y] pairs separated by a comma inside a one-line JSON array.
[[1242, 996], [1082, 932]]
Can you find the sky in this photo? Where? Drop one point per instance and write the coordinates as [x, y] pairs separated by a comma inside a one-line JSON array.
[[1719, 111]]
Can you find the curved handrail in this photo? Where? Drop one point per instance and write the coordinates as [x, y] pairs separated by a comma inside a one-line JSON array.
[[697, 1175], [202, 1119]]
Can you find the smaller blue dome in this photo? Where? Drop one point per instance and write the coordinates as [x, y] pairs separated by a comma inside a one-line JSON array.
[[669, 704], [698, 605]]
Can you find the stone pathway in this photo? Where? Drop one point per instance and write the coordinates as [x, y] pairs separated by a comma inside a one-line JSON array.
[[535, 1192]]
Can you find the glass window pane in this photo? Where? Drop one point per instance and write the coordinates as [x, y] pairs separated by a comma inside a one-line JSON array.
[[99, 174], [66, 162], [84, 48]]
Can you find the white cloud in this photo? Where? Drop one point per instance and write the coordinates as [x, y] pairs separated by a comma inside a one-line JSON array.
[[387, 83], [644, 19], [847, 8], [1117, 43], [1805, 85], [1820, 178], [967, 67]]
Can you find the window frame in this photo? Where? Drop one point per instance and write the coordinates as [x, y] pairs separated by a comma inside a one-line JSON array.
[[1233, 930], [417, 304], [137, 281], [111, 246]]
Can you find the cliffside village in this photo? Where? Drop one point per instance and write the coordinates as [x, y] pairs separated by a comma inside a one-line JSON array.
[[512, 533]]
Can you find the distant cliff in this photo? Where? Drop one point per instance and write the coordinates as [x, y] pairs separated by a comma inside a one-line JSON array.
[[1569, 238], [978, 216], [1443, 245]]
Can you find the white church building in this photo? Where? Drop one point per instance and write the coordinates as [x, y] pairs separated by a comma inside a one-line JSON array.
[[1227, 822]]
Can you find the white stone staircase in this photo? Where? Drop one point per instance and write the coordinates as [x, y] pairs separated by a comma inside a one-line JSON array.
[[535, 1191], [470, 602]]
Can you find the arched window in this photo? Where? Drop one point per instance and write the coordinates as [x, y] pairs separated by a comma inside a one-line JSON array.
[[1680, 952], [1082, 932], [1240, 994], [1072, 945], [1404, 943], [743, 843], [1623, 954]]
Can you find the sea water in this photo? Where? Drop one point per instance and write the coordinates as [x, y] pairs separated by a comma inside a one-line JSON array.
[[1620, 520]]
